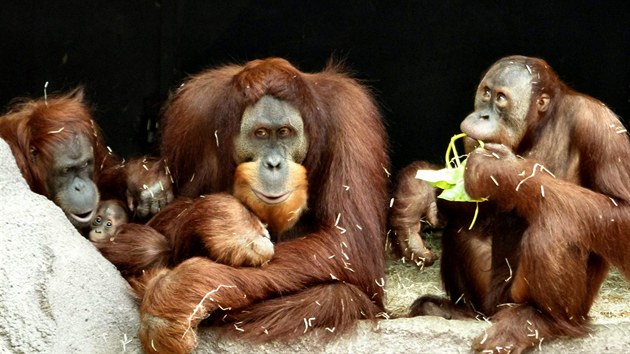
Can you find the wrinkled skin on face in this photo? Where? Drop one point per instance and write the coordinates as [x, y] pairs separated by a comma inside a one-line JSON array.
[[502, 104], [70, 181], [272, 144]]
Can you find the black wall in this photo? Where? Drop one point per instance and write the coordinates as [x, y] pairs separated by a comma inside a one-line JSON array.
[[422, 59]]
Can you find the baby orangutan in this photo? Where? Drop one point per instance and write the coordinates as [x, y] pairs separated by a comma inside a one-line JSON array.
[[191, 227], [205, 226], [109, 216]]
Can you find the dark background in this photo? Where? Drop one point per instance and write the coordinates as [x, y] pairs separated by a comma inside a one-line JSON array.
[[422, 59]]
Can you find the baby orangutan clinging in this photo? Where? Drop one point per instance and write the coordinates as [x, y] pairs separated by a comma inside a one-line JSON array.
[[110, 215], [187, 228]]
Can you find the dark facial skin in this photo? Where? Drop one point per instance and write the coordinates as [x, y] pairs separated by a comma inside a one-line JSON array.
[[501, 106], [109, 216], [70, 181], [272, 133]]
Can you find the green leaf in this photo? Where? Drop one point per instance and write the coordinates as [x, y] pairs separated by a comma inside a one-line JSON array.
[[443, 179], [450, 180], [456, 193]]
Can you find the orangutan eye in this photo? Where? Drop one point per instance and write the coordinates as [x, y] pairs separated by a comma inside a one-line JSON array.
[[261, 133], [486, 94], [501, 100], [284, 132]]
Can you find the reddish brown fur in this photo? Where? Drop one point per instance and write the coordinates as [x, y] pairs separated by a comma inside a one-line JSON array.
[[412, 201], [548, 245], [138, 172], [324, 262], [136, 248], [210, 220], [278, 217], [204, 226], [33, 127]]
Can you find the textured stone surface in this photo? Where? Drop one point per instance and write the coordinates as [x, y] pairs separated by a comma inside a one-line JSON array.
[[57, 293]]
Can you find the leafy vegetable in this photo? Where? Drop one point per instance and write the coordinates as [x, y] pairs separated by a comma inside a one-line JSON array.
[[451, 179]]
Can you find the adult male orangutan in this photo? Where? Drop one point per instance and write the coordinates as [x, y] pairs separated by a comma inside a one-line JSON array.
[[264, 132]]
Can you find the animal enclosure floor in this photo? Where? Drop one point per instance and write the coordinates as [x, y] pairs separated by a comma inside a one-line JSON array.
[[406, 281]]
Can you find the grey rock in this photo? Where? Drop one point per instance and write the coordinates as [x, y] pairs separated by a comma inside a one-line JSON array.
[[57, 293]]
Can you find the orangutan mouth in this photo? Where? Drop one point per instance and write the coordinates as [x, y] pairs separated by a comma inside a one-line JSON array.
[[272, 199]]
